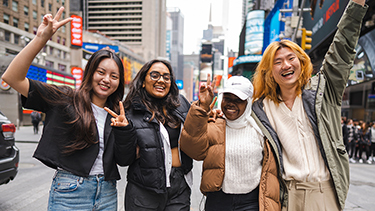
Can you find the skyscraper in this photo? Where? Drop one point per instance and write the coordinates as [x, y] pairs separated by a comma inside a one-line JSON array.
[[177, 47], [141, 24]]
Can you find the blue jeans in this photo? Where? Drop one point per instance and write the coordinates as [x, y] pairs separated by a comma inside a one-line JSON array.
[[71, 192]]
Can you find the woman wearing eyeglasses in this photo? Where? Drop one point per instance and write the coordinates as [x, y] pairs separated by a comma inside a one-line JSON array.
[[159, 174]]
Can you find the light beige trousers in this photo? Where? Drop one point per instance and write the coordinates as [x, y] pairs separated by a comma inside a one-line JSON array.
[[311, 196]]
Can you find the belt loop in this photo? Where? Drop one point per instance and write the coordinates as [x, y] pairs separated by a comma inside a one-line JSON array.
[[54, 176], [290, 185], [80, 180], [320, 187]]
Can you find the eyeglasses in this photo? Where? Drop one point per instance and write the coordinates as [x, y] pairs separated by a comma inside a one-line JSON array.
[[155, 76]]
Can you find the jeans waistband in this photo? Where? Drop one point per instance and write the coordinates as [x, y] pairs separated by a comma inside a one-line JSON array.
[[64, 173]]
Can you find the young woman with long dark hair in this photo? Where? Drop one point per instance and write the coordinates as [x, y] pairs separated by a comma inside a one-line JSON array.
[[159, 173], [77, 138]]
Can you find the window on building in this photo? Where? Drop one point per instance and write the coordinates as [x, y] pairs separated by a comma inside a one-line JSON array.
[[63, 2], [62, 67], [35, 14], [58, 53], [45, 49], [42, 3], [5, 3], [15, 6], [49, 64], [6, 18], [35, 29], [7, 36], [57, 1], [15, 22], [25, 10], [16, 39], [58, 39], [27, 26], [50, 50], [49, 6], [63, 29], [34, 2], [63, 15], [63, 41], [64, 55]]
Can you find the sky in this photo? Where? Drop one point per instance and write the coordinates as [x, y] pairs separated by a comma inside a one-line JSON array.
[[196, 18]]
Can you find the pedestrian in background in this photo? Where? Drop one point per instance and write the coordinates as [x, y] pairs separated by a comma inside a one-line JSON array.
[[365, 142], [35, 119], [77, 139], [159, 174], [302, 115], [352, 140], [345, 133], [239, 168], [372, 148]]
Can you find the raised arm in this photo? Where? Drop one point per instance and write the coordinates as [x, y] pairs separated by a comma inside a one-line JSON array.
[[15, 75], [340, 55]]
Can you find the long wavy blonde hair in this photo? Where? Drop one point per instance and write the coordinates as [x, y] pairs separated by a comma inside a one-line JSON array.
[[263, 81]]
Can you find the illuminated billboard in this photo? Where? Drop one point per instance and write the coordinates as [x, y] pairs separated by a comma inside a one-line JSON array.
[[254, 32], [76, 31]]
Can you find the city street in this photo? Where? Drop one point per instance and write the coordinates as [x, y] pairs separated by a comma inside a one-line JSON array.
[[29, 190]]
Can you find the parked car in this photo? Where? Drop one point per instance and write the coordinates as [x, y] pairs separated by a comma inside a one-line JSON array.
[[9, 153]]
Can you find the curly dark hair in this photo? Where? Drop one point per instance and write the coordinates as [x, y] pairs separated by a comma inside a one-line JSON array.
[[160, 108]]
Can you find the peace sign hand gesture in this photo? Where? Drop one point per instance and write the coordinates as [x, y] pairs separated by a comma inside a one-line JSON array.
[[50, 25], [206, 94], [118, 120]]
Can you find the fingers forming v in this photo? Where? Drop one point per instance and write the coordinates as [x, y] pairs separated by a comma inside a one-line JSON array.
[[112, 113]]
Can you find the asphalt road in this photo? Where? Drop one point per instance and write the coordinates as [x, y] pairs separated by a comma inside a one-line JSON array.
[[29, 190]]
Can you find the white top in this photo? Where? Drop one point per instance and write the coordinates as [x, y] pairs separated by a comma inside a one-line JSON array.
[[301, 155], [100, 116], [243, 153], [372, 134], [243, 159], [168, 157], [167, 153]]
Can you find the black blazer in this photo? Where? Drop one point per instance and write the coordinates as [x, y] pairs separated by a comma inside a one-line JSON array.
[[57, 134]]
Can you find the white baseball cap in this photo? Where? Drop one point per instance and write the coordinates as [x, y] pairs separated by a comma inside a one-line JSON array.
[[239, 86]]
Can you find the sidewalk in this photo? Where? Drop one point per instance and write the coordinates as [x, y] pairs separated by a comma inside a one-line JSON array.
[[26, 134]]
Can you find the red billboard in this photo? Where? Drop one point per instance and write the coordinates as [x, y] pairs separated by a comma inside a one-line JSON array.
[[76, 31]]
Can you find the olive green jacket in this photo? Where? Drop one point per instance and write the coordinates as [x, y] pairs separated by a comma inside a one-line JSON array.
[[322, 98]]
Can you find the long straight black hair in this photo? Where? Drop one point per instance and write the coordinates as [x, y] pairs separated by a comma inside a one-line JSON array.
[[78, 107]]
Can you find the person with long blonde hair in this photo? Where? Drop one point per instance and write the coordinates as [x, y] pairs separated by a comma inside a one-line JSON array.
[[300, 115]]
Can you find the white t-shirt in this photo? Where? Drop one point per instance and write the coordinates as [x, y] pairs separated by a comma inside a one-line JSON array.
[[100, 116]]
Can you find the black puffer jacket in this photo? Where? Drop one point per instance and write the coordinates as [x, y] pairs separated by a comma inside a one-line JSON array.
[[148, 171]]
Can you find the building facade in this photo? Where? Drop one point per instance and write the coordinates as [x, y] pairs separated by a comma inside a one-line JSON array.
[[140, 24], [177, 47], [19, 23]]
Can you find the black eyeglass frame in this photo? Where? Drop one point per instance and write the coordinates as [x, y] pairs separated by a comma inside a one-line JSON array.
[[166, 80]]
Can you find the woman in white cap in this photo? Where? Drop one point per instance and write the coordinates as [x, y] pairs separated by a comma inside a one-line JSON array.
[[239, 170]]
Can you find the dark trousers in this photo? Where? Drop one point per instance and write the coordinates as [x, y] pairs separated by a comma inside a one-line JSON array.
[[364, 148], [372, 149], [36, 127], [177, 197], [220, 201]]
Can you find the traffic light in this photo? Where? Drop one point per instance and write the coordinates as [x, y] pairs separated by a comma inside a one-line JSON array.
[[306, 39]]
